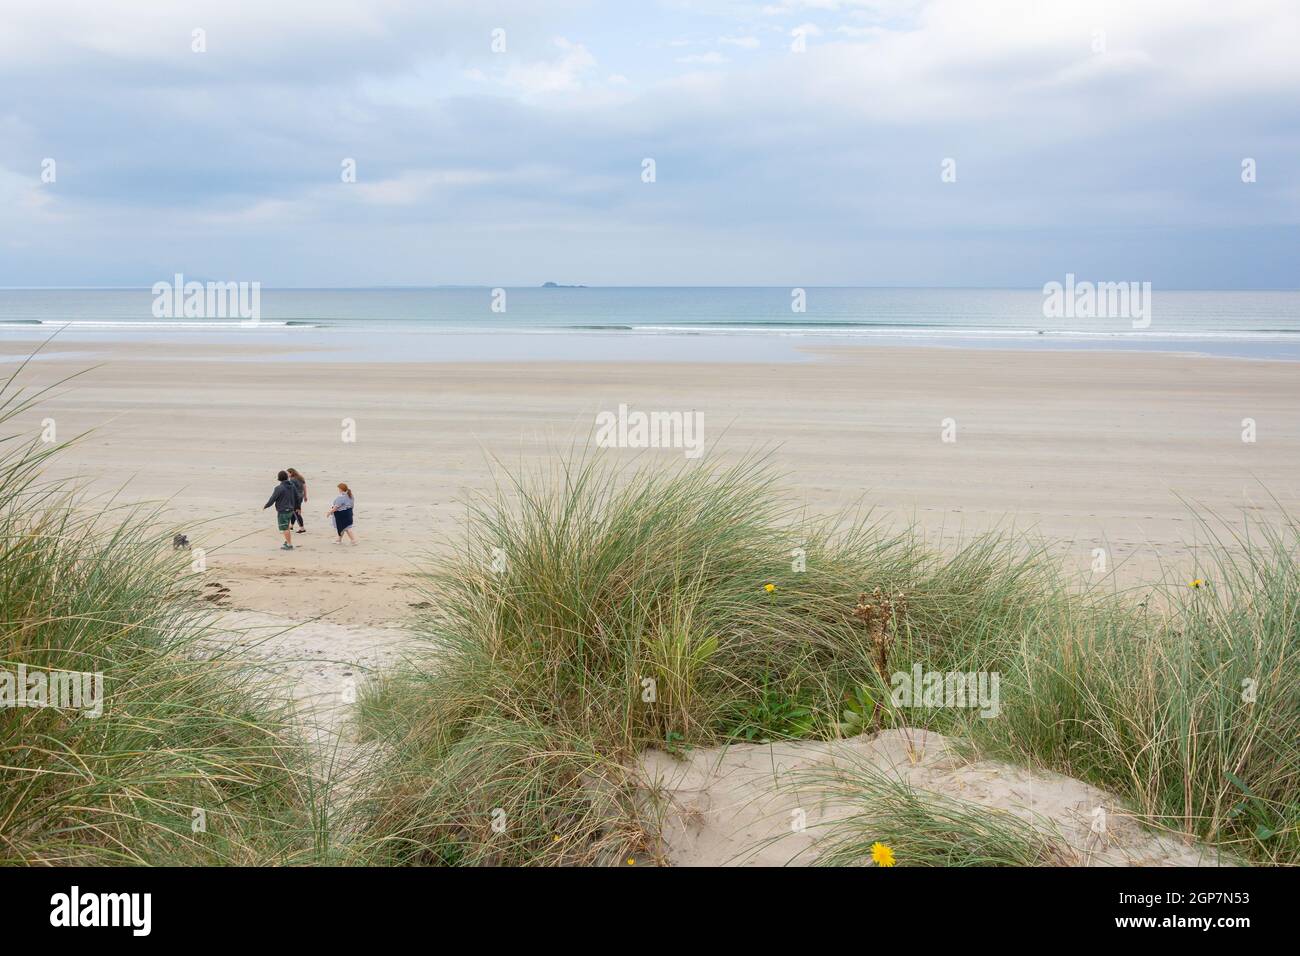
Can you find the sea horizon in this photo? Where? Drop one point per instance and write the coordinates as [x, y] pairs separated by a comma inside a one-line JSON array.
[[481, 323]]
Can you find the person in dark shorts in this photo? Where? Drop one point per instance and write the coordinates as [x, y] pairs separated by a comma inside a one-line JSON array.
[[342, 512], [285, 499], [301, 484]]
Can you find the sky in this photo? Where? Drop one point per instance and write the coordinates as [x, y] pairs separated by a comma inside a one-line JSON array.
[[793, 142]]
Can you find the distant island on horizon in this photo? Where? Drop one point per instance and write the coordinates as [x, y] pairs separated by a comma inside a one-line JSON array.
[[556, 285]]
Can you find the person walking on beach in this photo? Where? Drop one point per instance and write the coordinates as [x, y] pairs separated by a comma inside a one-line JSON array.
[[301, 484], [285, 499], [342, 512]]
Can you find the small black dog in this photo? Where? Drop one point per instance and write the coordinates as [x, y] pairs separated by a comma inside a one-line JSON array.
[[180, 541]]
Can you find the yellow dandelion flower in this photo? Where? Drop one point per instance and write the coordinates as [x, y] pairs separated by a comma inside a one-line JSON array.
[[882, 855], [1197, 584], [769, 588], [631, 862]]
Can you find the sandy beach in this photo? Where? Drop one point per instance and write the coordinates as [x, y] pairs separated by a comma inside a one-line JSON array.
[[801, 433], [1091, 450]]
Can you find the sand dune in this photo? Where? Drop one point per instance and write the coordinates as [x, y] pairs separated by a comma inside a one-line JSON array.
[[735, 806], [1101, 452]]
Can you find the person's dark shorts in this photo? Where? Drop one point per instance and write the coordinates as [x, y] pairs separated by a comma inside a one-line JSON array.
[[283, 519]]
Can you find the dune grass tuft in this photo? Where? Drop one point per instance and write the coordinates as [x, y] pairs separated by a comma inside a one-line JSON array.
[[191, 762], [921, 828], [593, 612], [1191, 711]]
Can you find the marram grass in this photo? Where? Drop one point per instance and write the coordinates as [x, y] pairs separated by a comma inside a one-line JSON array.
[[191, 762], [921, 828], [591, 613]]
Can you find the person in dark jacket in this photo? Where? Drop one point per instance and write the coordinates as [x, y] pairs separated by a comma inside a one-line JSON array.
[[301, 484], [285, 499]]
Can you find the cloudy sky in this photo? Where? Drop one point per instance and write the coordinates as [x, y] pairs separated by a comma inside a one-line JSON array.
[[795, 142]]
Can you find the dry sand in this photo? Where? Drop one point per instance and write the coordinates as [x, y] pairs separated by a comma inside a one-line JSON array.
[[1092, 449], [737, 805]]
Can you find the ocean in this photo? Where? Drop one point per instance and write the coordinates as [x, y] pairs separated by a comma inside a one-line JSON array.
[[686, 324]]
